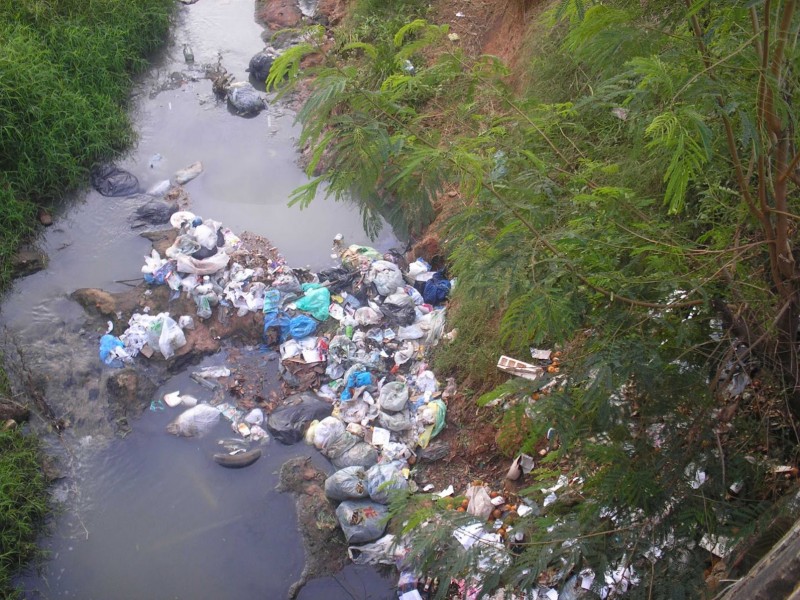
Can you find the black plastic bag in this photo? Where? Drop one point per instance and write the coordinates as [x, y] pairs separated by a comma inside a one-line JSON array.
[[155, 212], [288, 423], [112, 181]]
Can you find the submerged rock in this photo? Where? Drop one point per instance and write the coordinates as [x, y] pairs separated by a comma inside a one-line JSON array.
[[26, 262]]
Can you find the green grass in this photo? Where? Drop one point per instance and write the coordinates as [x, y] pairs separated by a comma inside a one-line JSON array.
[[66, 69], [65, 74], [23, 504]]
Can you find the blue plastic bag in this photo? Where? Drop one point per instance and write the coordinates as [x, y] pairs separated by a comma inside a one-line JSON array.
[[161, 274], [297, 327], [437, 288], [107, 344], [302, 326], [278, 319], [357, 379]]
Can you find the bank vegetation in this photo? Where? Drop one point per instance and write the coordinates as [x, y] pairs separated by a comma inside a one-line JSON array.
[[633, 204]]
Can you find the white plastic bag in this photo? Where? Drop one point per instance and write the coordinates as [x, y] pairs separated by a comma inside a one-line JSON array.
[[328, 429], [386, 276], [206, 266], [198, 420], [480, 503], [171, 337]]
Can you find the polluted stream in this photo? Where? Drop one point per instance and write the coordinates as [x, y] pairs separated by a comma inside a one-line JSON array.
[[148, 514]]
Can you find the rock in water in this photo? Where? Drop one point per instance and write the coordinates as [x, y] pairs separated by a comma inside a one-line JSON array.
[[189, 173], [260, 65], [244, 98]]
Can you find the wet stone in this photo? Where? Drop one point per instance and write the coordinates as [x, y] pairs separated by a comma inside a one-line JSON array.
[[26, 262]]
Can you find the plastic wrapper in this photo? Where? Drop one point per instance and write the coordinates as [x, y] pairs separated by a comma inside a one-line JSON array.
[[288, 423], [394, 396], [384, 480], [196, 421], [361, 520], [349, 483], [360, 454]]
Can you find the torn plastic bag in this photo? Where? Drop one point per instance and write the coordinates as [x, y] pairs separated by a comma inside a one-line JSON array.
[[361, 454], [338, 278], [349, 483], [368, 316], [406, 352], [183, 245], [386, 276], [165, 335], [399, 309], [286, 282], [112, 181], [272, 300], [198, 420], [437, 288], [317, 300], [160, 275], [356, 377], [379, 552], [206, 266], [412, 332], [394, 396], [480, 503], [400, 421], [326, 431], [432, 416], [111, 350], [362, 520], [340, 349], [288, 423], [385, 480]]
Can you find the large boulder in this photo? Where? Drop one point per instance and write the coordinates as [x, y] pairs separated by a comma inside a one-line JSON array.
[[279, 14]]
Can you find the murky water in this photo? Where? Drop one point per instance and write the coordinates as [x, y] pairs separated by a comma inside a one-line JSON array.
[[151, 515]]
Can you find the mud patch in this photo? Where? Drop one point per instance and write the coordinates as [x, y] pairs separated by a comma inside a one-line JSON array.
[[326, 551]]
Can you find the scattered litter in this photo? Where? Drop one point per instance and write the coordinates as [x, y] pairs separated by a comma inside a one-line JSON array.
[[520, 368]]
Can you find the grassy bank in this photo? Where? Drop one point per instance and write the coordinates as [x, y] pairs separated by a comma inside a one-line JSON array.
[[66, 69], [23, 503], [623, 205], [65, 75]]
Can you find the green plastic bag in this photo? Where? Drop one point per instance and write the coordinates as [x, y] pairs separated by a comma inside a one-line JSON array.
[[316, 301]]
